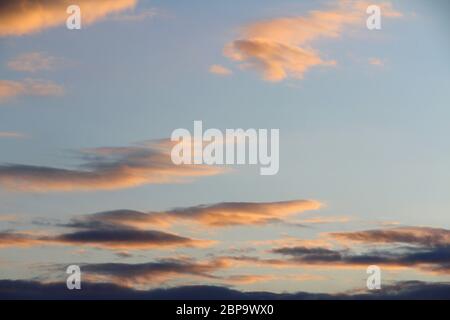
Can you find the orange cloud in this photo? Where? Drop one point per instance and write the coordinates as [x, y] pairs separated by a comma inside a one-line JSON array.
[[281, 47], [18, 239], [30, 16], [248, 279], [220, 70], [105, 169], [323, 220], [376, 62], [28, 87], [216, 215]]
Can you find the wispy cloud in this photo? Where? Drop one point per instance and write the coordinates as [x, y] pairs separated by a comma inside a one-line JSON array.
[[28, 87], [12, 135], [282, 47], [135, 17], [34, 62], [376, 62], [220, 70], [30, 16]]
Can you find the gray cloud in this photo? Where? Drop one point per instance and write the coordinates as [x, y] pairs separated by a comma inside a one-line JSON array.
[[105, 169], [22, 289]]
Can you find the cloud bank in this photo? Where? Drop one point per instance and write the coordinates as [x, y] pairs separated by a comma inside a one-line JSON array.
[[33, 290]]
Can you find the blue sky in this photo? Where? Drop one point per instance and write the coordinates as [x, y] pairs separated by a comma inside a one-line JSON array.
[[367, 140]]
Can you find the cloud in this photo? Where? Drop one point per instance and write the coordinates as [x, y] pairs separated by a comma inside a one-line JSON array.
[[164, 271], [151, 273], [376, 62], [128, 230], [423, 249], [33, 62], [147, 14], [12, 239], [28, 87], [247, 279], [281, 48], [106, 234], [33, 290], [214, 215], [12, 135], [114, 239], [320, 220], [30, 16], [105, 169], [424, 259], [422, 236], [126, 239], [220, 70]]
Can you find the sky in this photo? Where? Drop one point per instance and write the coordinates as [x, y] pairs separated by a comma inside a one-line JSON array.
[[86, 176]]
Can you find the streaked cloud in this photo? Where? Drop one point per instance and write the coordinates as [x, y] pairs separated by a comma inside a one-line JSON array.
[[422, 248], [214, 215], [166, 271], [152, 273], [220, 70], [435, 259], [33, 62], [425, 250], [105, 169], [10, 239], [282, 47], [29, 16], [321, 220], [29, 87], [422, 236]]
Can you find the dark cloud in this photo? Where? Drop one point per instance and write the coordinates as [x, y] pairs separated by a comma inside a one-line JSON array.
[[124, 238], [105, 169], [421, 236], [310, 254], [428, 259], [104, 238], [19, 289], [152, 273]]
